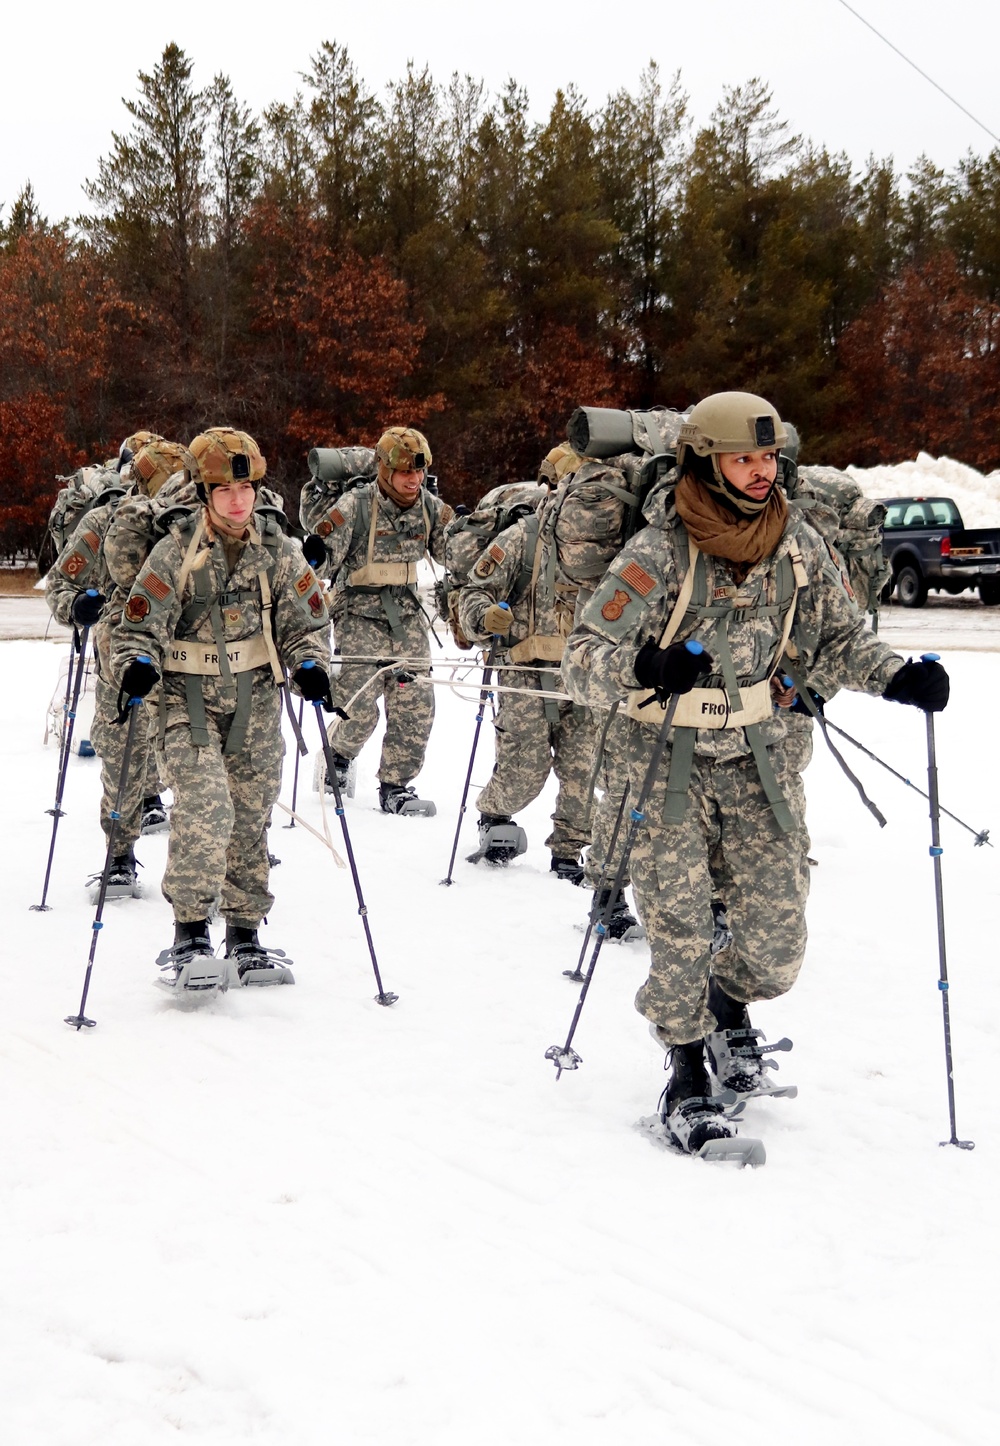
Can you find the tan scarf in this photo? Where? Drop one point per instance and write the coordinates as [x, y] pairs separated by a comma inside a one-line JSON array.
[[720, 533]]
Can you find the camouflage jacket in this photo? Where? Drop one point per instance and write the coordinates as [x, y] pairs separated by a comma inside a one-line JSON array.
[[637, 595], [155, 615], [504, 572], [135, 529], [81, 564], [401, 536]]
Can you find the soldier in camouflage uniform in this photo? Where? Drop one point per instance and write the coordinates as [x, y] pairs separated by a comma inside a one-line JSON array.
[[369, 540], [534, 735], [79, 590], [723, 564], [220, 607]]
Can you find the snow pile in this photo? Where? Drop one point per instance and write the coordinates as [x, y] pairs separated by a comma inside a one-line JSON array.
[[976, 496], [291, 1217]]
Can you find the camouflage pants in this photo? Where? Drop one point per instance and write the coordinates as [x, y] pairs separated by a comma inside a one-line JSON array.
[[529, 745], [409, 707], [728, 844], [108, 738], [222, 807], [612, 777]]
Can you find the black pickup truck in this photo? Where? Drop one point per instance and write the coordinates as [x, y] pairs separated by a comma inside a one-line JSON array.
[[928, 547]]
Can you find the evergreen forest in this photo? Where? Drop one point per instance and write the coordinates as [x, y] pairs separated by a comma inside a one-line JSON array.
[[429, 254]]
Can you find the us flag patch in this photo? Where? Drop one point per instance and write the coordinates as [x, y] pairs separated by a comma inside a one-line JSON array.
[[337, 517], [497, 553], [156, 587], [638, 578], [92, 540]]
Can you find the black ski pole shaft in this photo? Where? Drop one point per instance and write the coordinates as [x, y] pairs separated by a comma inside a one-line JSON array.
[[484, 697], [79, 1020], [74, 648], [57, 810], [300, 746], [382, 997], [564, 1056], [577, 974], [981, 836], [936, 852]]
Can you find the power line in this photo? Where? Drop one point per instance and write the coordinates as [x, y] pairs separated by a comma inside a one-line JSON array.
[[916, 67]]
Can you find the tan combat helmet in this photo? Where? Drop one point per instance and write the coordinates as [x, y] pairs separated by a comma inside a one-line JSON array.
[[154, 463], [731, 422], [403, 449], [220, 456], [561, 462]]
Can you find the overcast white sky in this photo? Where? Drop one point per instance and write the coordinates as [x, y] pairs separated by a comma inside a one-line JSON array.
[[64, 67]]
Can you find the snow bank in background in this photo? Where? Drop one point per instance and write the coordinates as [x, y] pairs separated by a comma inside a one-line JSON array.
[[977, 496]]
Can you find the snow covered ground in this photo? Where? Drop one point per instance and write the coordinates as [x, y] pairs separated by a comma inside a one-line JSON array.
[[291, 1216]]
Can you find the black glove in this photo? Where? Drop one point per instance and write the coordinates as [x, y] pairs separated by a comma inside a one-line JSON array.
[[924, 684], [138, 679], [87, 607], [799, 706], [675, 669], [314, 685], [314, 550]]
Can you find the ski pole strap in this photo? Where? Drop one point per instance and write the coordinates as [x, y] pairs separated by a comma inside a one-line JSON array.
[[803, 692]]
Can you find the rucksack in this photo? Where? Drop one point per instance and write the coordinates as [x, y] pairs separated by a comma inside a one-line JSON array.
[[599, 507], [850, 523], [468, 534], [84, 489]]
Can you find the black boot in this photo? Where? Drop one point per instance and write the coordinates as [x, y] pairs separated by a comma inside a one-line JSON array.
[[255, 964], [190, 965], [736, 1051], [569, 869], [192, 938], [622, 924], [691, 1117], [154, 815]]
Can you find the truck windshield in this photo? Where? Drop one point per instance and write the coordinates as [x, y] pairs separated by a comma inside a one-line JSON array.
[[929, 512]]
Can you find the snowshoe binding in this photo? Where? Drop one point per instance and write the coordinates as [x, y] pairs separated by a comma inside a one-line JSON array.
[[346, 770], [692, 1121], [253, 963], [123, 879], [155, 818], [500, 840], [190, 966], [569, 869], [622, 925], [398, 798], [737, 1054]]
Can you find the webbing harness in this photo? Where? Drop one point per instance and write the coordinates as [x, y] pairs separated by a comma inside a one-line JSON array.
[[387, 580], [210, 597], [745, 703]]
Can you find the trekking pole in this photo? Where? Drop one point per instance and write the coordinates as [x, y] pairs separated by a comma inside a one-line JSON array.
[[382, 997], [300, 747], [980, 837], [79, 1019], [74, 644], [57, 810], [484, 695], [564, 1056], [936, 852], [577, 974]]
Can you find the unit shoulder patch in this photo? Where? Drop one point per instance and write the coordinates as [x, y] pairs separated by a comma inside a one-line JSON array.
[[316, 604], [324, 528], [305, 582], [136, 609], [485, 567], [615, 606], [74, 565]]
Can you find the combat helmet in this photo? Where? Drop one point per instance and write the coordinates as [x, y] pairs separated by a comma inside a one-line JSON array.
[[561, 462], [154, 463], [131, 445], [403, 449], [220, 456]]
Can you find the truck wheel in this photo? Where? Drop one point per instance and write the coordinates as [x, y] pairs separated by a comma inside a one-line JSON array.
[[990, 592], [911, 588]]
